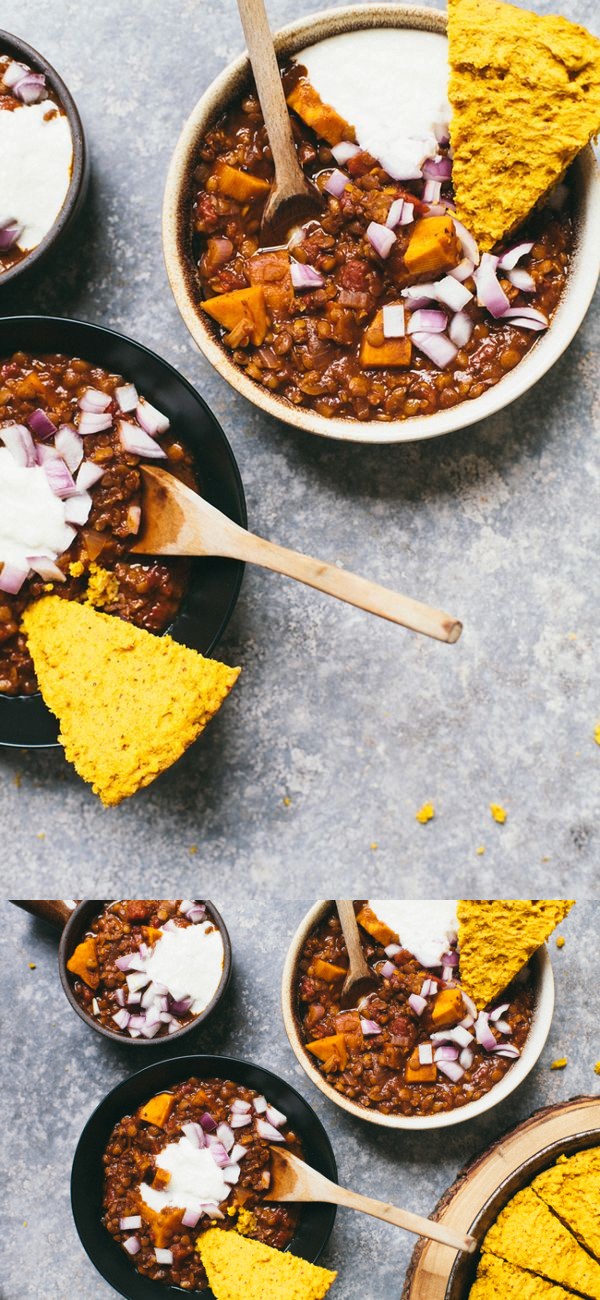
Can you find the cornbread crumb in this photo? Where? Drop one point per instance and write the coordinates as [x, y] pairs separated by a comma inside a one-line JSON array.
[[246, 1222], [480, 851], [425, 814], [597, 734], [40, 835], [498, 813], [193, 848], [18, 780], [560, 941], [286, 801], [32, 965], [76, 568], [239, 1268], [559, 1063], [597, 1067], [497, 936], [102, 588], [374, 845], [129, 703]]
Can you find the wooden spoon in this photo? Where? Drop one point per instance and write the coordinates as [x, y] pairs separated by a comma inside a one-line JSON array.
[[360, 979], [293, 198], [176, 521], [292, 1180]]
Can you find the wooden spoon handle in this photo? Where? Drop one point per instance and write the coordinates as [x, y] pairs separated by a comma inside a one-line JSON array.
[[349, 924], [259, 39], [55, 910], [401, 1218]]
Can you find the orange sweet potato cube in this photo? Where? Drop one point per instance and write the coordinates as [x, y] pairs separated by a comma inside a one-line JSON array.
[[448, 1008], [157, 1110], [84, 963], [151, 934], [376, 928], [163, 1225], [321, 117], [376, 350], [161, 1179], [272, 269], [417, 1073], [240, 185], [326, 970], [433, 246], [229, 309], [331, 1051]]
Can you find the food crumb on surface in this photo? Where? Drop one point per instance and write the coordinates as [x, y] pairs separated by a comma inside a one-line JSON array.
[[32, 965], [559, 1063], [597, 1067], [498, 813], [374, 845], [40, 835], [76, 568], [425, 814], [286, 801], [102, 588], [193, 848], [480, 850], [17, 780], [597, 733], [560, 941], [571, 636]]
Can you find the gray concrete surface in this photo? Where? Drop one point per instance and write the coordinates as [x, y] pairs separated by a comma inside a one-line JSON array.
[[54, 1071]]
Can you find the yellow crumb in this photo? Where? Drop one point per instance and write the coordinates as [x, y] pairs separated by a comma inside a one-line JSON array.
[[559, 1064], [76, 568], [17, 780], [480, 851], [374, 845], [560, 941], [239, 1266], [572, 636], [193, 848], [246, 1222], [498, 813], [102, 588], [597, 734], [48, 586], [32, 965], [425, 814], [40, 835], [286, 801], [597, 1067]]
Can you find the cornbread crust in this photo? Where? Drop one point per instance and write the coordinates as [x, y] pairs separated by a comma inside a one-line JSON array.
[[572, 1189], [129, 703], [495, 1277], [497, 936], [525, 97], [239, 1268], [528, 1235]]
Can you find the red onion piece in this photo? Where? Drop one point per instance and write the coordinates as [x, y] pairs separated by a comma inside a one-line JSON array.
[[466, 1058], [31, 87], [508, 260], [77, 508], [441, 132], [231, 1174], [387, 969], [508, 1050], [191, 1218], [163, 1256], [454, 295], [392, 949], [60, 480], [450, 958], [451, 1069], [526, 313], [151, 420], [419, 293], [305, 276], [275, 1116], [240, 1121], [522, 280], [463, 270], [437, 169], [70, 446], [186, 904], [428, 320], [344, 151], [470, 1005], [237, 1153], [41, 424], [395, 213], [14, 73], [467, 242], [93, 399], [447, 973], [490, 293], [407, 214], [425, 1054], [139, 443], [208, 1123], [212, 1211], [9, 235], [89, 474], [432, 191], [268, 1131], [483, 1033], [446, 1053], [225, 1135], [455, 1035], [132, 1245], [499, 1011], [120, 996], [394, 327], [127, 397], [503, 1026], [417, 1003], [93, 422], [240, 1107], [524, 324], [380, 238], [180, 1006], [461, 328], [194, 1134], [124, 963], [219, 1154], [427, 989], [45, 568], [259, 1105], [130, 1222], [12, 578], [152, 1017], [19, 442], [122, 1018], [369, 1027], [336, 183], [138, 980], [149, 1031]]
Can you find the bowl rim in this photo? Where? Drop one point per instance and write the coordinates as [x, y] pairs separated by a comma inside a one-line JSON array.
[[205, 1064], [72, 932], [534, 1045], [583, 274], [20, 49], [93, 330]]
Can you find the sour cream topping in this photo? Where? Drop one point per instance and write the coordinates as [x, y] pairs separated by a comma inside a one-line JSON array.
[[36, 156], [390, 84], [189, 962], [195, 1178], [426, 926], [32, 518]]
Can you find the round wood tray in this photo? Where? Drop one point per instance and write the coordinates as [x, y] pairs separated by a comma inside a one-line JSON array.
[[431, 1265]]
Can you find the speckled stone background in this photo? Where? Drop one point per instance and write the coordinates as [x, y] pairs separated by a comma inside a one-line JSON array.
[[54, 1070]]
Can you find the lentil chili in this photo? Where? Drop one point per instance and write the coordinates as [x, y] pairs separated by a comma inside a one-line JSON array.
[[379, 1068], [9, 101], [315, 348], [130, 1159]]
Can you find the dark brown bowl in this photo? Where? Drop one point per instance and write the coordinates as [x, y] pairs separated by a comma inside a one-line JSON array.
[[24, 53], [74, 919]]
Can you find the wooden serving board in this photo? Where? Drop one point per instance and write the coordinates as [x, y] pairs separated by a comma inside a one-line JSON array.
[[431, 1264]]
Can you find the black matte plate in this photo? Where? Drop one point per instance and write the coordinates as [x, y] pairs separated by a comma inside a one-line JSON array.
[[316, 1221], [214, 584]]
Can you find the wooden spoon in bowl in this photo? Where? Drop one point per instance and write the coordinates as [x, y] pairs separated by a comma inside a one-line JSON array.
[[176, 521], [360, 979], [293, 198], [293, 1180]]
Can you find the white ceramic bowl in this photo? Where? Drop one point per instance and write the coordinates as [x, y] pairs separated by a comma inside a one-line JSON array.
[[583, 273], [543, 976]]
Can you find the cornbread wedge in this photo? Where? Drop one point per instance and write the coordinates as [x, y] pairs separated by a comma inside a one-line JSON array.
[[497, 1278], [129, 703], [530, 1236], [572, 1189], [525, 97], [497, 936], [239, 1268]]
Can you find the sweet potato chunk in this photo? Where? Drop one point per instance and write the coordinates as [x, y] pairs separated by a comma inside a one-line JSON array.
[[163, 1225], [272, 271], [448, 1008], [231, 309], [376, 928], [157, 1110], [84, 963], [417, 1073], [321, 117], [151, 934], [326, 970], [433, 246], [240, 185], [161, 1179], [376, 350], [331, 1051]]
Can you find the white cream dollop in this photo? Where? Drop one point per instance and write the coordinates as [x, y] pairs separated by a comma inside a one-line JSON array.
[[195, 1179], [391, 84], [189, 962], [36, 157], [32, 518], [426, 926]]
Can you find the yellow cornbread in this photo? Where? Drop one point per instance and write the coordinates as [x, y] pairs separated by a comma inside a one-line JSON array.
[[129, 703], [525, 98], [102, 588], [528, 1235], [497, 1278], [572, 1189], [241, 1269], [497, 936]]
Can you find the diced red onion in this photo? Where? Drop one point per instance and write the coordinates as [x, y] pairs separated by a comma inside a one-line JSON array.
[[268, 1131], [212, 1211], [138, 442], [425, 1054], [507, 1049], [149, 995], [31, 88], [451, 1069], [124, 963], [94, 422], [127, 397], [45, 568], [70, 447], [240, 1121], [490, 293], [275, 1116], [468, 1022], [395, 214], [419, 292], [132, 1245], [483, 1032], [138, 980], [133, 999], [77, 508], [407, 214], [9, 235], [524, 323], [197, 913], [45, 451], [171, 924], [417, 1003], [503, 1027], [194, 1134], [526, 313], [499, 1011], [41, 424], [441, 132], [432, 191], [509, 259], [394, 327], [380, 238], [208, 1123], [94, 400], [61, 481], [387, 969], [185, 905], [191, 1218], [152, 1017], [470, 1005], [130, 1222], [454, 295], [173, 1027], [237, 1153], [19, 442], [151, 420], [466, 1058], [219, 1154], [240, 1107], [392, 949], [428, 320], [14, 73], [463, 270], [231, 1174], [89, 474], [12, 578], [467, 242], [120, 996], [163, 1256], [344, 151], [447, 974], [369, 1027], [446, 1053], [456, 1035], [461, 328], [437, 169], [427, 988], [260, 1105], [521, 280], [122, 1018], [225, 1135], [180, 1006], [150, 1031], [336, 183], [166, 1018]]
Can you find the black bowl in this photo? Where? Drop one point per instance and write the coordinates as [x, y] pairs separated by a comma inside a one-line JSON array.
[[316, 1221], [214, 583], [17, 49]]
